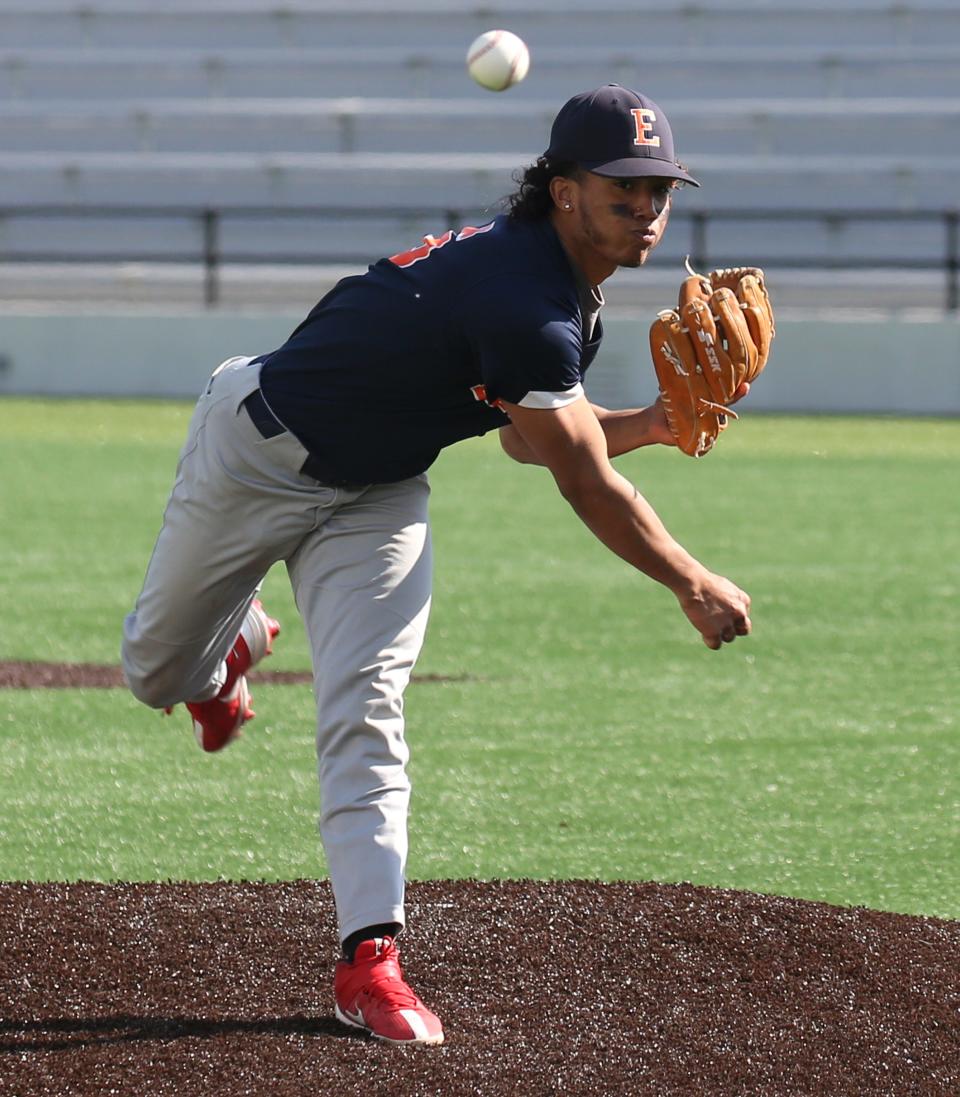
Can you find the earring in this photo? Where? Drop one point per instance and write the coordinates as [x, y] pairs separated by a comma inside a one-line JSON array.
[[566, 205]]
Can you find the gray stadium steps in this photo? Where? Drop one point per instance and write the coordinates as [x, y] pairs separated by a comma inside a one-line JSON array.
[[318, 239], [543, 23], [765, 73], [131, 287], [254, 238], [264, 126], [462, 181]]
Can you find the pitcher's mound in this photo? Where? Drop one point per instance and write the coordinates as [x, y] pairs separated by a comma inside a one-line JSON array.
[[544, 988]]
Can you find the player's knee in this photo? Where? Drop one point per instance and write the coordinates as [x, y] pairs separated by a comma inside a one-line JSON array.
[[156, 676], [149, 687]]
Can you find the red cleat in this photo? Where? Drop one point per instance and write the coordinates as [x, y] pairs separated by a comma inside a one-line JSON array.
[[371, 994], [218, 721]]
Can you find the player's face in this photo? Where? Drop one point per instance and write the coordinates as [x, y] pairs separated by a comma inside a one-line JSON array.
[[622, 220]]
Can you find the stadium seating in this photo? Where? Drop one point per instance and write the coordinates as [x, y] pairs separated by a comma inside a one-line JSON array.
[[459, 181], [840, 127], [776, 70], [231, 104], [404, 23]]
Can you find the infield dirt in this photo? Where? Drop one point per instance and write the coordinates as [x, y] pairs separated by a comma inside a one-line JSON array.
[[544, 988]]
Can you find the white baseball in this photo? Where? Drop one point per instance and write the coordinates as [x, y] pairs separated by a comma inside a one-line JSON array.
[[498, 59]]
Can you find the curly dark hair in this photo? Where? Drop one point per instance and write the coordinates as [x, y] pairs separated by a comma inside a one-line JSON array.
[[532, 201]]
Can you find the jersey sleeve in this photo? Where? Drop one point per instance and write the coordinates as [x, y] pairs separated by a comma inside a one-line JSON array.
[[527, 347], [551, 400]]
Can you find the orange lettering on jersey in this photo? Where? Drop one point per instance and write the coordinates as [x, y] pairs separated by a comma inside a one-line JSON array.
[[466, 233], [480, 393], [414, 255], [644, 119], [431, 243]]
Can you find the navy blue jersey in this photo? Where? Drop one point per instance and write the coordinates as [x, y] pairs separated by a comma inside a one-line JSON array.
[[395, 364]]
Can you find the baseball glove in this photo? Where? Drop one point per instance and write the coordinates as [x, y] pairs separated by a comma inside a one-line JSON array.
[[719, 338]]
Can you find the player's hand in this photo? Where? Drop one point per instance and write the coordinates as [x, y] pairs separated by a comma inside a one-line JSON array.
[[656, 427], [718, 609]]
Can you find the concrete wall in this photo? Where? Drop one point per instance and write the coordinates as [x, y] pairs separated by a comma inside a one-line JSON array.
[[881, 365], [893, 366]]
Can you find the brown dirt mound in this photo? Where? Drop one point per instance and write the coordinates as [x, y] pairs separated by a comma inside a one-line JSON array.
[[19, 674], [544, 988]]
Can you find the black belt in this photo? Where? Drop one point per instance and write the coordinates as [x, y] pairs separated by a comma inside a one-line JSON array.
[[261, 416], [270, 426]]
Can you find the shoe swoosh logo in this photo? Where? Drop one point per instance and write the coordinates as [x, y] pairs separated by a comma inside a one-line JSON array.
[[356, 1017]]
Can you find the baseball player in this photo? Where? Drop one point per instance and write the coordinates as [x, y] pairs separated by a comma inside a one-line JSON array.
[[317, 454]]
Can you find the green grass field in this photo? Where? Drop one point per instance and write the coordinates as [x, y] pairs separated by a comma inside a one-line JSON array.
[[583, 730]]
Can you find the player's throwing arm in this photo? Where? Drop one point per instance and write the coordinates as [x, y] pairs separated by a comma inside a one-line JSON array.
[[571, 443]]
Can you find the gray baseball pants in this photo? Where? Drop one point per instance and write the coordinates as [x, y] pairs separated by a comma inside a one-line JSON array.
[[359, 562]]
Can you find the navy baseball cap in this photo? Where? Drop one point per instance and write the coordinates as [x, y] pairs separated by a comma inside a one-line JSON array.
[[617, 132]]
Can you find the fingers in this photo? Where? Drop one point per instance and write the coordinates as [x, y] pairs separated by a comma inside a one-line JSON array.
[[718, 609], [740, 626]]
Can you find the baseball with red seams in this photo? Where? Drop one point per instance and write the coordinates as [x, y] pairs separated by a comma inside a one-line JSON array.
[[498, 59]]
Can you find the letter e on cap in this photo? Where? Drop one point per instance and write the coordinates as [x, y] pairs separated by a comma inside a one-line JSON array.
[[644, 119]]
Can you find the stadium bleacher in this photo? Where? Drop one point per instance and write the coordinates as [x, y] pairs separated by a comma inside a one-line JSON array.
[[747, 127], [226, 104], [398, 23], [776, 70]]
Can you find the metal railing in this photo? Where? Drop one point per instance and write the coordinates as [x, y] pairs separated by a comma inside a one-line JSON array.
[[211, 254]]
